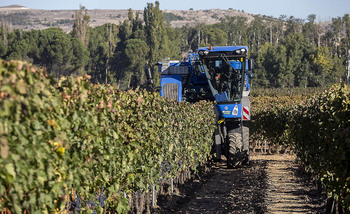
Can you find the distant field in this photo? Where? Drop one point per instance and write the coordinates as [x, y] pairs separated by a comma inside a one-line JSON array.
[[24, 18]]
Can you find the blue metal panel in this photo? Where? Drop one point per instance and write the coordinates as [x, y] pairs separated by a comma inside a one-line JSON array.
[[177, 79], [227, 110], [236, 64], [223, 48], [247, 85], [221, 97]]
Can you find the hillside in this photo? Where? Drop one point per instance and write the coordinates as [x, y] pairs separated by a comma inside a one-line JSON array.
[[20, 17]]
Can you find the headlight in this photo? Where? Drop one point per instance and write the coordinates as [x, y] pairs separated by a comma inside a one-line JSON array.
[[240, 51], [203, 52], [235, 111]]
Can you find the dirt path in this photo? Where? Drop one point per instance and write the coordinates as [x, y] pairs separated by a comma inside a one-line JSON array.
[[271, 184], [286, 191]]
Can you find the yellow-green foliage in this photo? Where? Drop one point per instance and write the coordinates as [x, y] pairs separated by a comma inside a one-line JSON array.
[[73, 135], [318, 127]]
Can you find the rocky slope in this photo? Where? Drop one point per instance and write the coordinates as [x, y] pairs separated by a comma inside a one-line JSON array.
[[19, 17]]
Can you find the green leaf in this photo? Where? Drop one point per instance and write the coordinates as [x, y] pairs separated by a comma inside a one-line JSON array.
[[4, 148], [11, 171]]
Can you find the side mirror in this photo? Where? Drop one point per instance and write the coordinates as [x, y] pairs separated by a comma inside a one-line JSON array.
[[251, 64], [148, 73], [251, 75], [150, 83]]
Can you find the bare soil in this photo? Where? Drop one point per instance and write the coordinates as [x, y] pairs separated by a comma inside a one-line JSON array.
[[270, 184]]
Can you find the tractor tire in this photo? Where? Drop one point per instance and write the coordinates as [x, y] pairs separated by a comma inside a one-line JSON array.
[[234, 148], [245, 153]]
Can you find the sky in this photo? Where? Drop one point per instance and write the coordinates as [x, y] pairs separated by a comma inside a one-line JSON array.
[[324, 10]]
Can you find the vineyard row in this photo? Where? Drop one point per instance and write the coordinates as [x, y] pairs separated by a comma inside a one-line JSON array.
[[68, 140], [317, 128]]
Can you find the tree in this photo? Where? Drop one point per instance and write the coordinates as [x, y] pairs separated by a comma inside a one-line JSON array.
[[235, 27], [102, 44], [312, 31], [304, 74], [213, 35], [156, 37], [122, 67], [174, 43], [293, 25], [17, 47], [297, 48], [51, 48], [277, 31], [332, 38], [257, 34], [260, 70], [346, 20], [337, 75], [271, 67], [81, 25], [56, 51], [136, 52], [79, 58], [323, 63], [4, 30], [138, 31], [98, 53], [190, 38], [286, 77]]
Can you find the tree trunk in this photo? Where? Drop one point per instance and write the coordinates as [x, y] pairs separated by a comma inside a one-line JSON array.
[[348, 67]]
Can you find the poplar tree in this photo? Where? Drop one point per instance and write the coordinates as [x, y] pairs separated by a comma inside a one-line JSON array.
[[4, 41], [295, 45], [311, 30], [235, 27], [336, 33], [81, 25], [156, 37], [346, 20], [256, 33]]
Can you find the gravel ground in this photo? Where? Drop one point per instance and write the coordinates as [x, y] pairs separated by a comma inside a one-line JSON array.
[[270, 184]]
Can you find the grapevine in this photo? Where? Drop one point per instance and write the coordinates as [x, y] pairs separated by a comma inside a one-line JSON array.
[[63, 142], [316, 127]]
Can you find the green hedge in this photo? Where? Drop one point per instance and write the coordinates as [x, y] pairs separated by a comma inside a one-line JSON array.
[[30, 165], [320, 131], [269, 117], [317, 127], [73, 136]]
